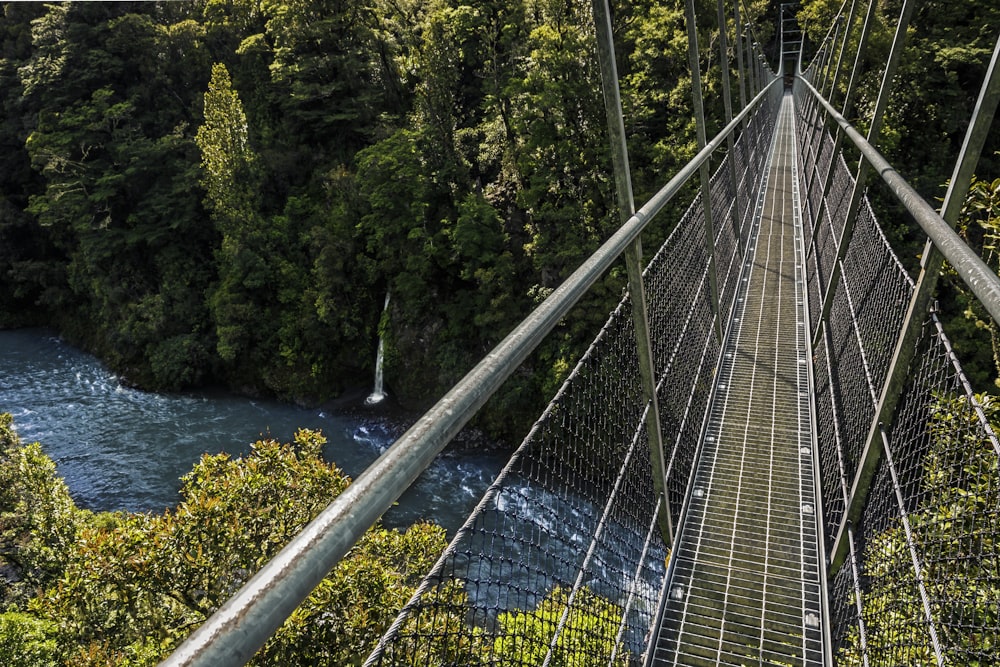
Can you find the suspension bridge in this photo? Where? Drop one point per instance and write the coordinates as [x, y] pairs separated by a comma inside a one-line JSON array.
[[769, 455]]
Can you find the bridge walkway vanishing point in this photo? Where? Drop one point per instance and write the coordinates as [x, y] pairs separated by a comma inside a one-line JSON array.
[[746, 577]]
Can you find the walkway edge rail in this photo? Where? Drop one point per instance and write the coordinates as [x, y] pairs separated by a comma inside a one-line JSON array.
[[983, 282], [244, 623]]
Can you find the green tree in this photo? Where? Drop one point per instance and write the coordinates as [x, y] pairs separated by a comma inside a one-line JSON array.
[[125, 588], [954, 529], [231, 177], [27, 266], [26, 641], [38, 519], [564, 161], [587, 638], [974, 334], [229, 164], [116, 197], [332, 87]]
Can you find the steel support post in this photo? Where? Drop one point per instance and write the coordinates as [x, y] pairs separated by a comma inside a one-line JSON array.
[[823, 63], [633, 257], [830, 72], [816, 136], [809, 114], [822, 74], [837, 26], [728, 109], [848, 26], [704, 173], [864, 168], [814, 114], [920, 300], [739, 55], [838, 136]]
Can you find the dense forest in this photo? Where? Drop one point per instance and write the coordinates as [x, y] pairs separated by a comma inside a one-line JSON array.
[[230, 191]]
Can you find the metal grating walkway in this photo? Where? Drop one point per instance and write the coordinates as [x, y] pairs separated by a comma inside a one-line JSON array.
[[745, 582]]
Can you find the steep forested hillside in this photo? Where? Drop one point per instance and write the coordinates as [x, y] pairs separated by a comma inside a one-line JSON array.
[[947, 51], [227, 190]]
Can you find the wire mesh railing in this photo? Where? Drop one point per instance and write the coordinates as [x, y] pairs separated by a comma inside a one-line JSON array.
[[920, 584]]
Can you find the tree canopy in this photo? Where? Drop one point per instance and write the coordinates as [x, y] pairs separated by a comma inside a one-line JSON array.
[[225, 191]]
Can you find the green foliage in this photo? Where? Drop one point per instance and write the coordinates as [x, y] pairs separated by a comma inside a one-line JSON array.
[[112, 249], [349, 611], [942, 68], [954, 530], [125, 588], [974, 333], [26, 641], [39, 522], [588, 636], [228, 162]]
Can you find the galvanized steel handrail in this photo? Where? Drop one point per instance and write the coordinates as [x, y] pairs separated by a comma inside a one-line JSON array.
[[983, 282], [244, 623]]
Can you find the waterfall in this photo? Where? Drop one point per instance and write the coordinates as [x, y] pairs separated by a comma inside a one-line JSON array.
[[378, 391]]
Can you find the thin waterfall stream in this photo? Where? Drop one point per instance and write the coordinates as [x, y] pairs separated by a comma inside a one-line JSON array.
[[378, 389]]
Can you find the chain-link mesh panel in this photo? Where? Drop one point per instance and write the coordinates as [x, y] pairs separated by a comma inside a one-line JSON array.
[[809, 201], [821, 168], [678, 269], [727, 256], [865, 319], [826, 158], [759, 138], [929, 572], [832, 473], [810, 125], [838, 199], [880, 292], [827, 232], [852, 390], [744, 177], [684, 381], [845, 609]]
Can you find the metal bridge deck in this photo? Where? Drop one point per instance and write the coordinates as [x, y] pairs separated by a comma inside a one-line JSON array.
[[745, 582]]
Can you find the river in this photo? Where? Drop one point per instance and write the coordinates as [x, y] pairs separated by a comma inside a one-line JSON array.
[[119, 448]]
